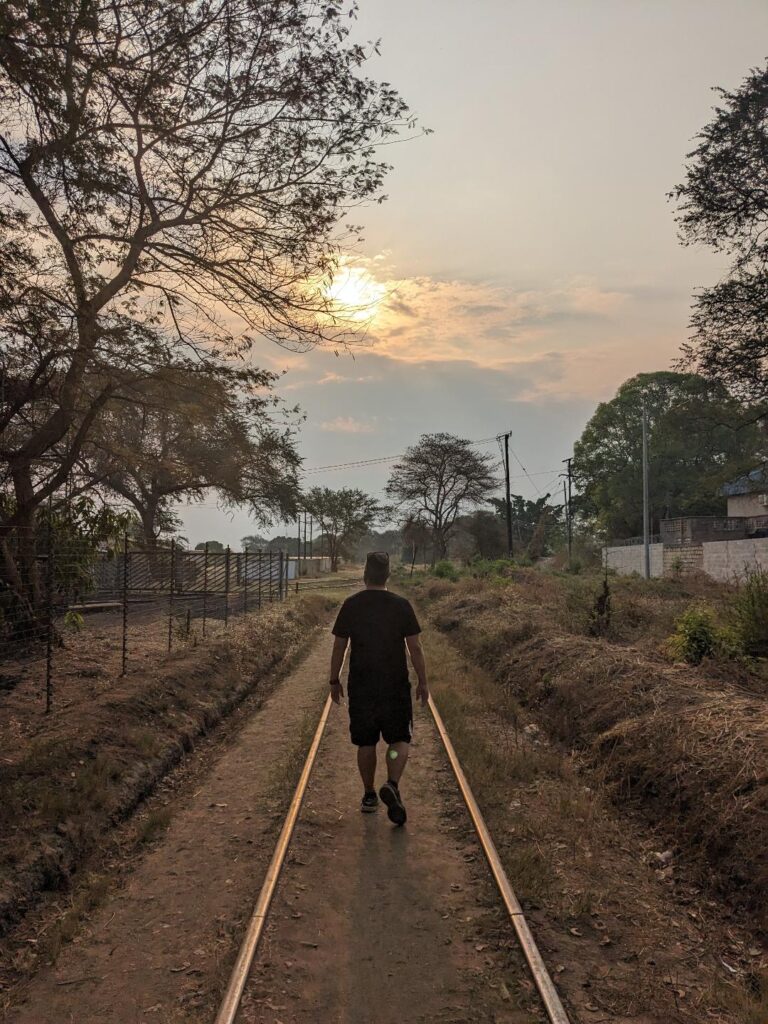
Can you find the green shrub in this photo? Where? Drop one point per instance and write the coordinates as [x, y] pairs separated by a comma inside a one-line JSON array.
[[484, 568], [446, 571], [697, 636], [750, 613]]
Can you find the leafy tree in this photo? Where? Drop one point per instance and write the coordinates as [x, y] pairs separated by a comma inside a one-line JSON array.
[[722, 204], [344, 516], [214, 546], [171, 178], [417, 536], [697, 440], [436, 480], [197, 430], [376, 540], [479, 534], [255, 542], [534, 522]]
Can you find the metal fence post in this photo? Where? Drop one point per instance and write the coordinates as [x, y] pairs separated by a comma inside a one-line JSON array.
[[124, 652], [245, 582], [226, 587], [271, 595], [205, 586], [170, 593], [261, 570], [49, 581], [280, 577]]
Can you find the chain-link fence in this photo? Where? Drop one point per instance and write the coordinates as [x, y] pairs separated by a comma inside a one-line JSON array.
[[67, 610]]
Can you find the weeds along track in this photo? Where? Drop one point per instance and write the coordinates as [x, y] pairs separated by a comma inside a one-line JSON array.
[[238, 981]]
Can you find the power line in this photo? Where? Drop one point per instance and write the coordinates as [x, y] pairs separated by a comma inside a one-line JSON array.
[[378, 461], [527, 474]]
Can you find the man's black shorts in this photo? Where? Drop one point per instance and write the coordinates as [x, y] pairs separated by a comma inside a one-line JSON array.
[[370, 719]]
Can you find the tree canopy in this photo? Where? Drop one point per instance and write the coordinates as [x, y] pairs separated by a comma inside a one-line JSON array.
[[437, 479], [172, 175], [723, 203], [344, 515], [196, 429], [699, 437]]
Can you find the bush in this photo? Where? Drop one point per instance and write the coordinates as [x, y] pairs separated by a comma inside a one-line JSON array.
[[446, 571], [696, 636], [483, 568], [750, 613]]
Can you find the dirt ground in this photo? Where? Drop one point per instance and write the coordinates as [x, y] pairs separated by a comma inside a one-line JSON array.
[[153, 950], [376, 925], [371, 924]]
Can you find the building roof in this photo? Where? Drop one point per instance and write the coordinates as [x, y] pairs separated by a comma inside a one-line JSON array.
[[754, 482]]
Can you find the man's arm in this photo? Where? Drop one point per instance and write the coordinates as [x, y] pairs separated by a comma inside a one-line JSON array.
[[419, 662], [337, 661]]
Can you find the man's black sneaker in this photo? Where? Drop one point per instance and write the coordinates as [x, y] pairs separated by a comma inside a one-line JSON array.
[[390, 794], [369, 803]]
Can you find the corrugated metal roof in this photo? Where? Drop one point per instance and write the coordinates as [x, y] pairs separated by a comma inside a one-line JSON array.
[[754, 482]]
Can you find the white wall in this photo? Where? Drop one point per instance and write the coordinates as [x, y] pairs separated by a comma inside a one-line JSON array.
[[629, 559], [727, 559], [747, 505]]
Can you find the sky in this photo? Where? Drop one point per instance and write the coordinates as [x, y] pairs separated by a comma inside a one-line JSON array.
[[526, 261]]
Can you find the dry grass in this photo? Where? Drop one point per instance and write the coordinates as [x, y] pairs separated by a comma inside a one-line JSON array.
[[61, 791], [682, 744], [579, 870]]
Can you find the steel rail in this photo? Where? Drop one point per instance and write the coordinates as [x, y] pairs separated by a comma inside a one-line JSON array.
[[237, 981], [543, 981]]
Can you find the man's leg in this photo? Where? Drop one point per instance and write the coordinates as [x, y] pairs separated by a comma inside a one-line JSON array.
[[366, 762], [397, 758]]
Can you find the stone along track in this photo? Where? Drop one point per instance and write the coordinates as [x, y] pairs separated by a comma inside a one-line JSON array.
[[371, 924]]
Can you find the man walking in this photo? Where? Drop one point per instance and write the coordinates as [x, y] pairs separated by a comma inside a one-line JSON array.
[[380, 626]]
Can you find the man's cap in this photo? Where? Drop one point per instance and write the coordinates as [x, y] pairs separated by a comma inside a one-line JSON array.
[[377, 560]]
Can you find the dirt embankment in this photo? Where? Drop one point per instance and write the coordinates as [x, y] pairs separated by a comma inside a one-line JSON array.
[[88, 766], [687, 749]]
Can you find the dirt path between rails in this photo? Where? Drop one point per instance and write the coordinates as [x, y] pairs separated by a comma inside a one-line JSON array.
[[373, 924], [370, 925], [154, 951]]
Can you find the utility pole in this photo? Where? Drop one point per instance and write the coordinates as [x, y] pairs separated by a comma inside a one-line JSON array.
[[508, 496], [568, 507], [646, 503]]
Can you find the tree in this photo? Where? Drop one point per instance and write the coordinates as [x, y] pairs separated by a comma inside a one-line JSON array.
[[416, 537], [255, 542], [197, 429], [697, 440], [436, 480], [722, 204], [482, 535], [376, 540], [533, 522], [343, 515], [171, 177], [212, 545]]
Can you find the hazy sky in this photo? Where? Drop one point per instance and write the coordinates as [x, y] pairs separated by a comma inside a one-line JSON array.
[[526, 262]]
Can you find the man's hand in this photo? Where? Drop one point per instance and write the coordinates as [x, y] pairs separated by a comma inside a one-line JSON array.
[[422, 694], [337, 692]]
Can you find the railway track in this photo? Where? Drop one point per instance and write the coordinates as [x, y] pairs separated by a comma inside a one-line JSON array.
[[230, 1004]]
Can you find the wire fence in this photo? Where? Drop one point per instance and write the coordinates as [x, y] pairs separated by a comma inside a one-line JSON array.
[[67, 610]]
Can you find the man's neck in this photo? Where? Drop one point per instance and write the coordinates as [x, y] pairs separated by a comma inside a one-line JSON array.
[[371, 586]]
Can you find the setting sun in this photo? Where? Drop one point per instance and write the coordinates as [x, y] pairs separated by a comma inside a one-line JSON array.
[[354, 294]]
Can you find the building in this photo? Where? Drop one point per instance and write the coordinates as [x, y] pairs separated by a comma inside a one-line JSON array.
[[748, 496], [723, 547]]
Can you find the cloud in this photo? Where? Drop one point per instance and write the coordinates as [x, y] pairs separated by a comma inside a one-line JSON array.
[[425, 318], [346, 425]]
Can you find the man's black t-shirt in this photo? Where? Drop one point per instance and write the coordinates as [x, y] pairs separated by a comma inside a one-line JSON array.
[[377, 623]]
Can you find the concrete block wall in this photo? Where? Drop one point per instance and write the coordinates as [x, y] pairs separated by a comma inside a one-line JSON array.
[[684, 560], [729, 559], [628, 559]]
